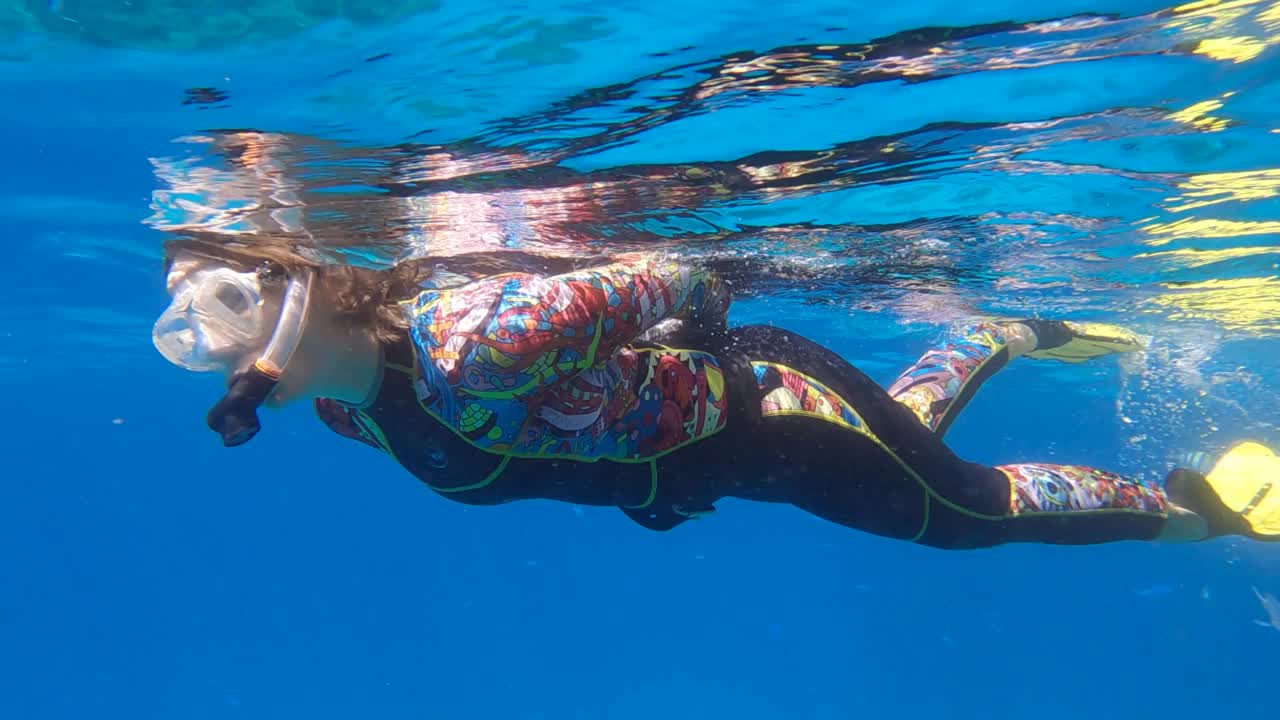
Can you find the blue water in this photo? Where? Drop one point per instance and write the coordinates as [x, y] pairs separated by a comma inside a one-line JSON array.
[[1105, 160]]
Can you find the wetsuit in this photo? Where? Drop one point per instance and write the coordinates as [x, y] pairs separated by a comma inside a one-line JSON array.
[[519, 386]]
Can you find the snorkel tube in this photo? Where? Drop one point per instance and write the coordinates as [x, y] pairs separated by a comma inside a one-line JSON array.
[[235, 416]]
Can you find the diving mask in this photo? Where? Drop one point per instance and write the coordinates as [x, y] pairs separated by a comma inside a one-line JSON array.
[[216, 319]]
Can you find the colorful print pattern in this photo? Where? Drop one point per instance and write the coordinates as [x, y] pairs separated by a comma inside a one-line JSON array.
[[930, 386], [1041, 488], [787, 392], [535, 366]]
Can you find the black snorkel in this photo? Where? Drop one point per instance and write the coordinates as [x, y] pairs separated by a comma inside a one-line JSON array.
[[235, 416]]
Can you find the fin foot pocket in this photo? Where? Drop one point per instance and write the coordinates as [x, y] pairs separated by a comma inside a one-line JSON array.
[[1073, 342], [1239, 496]]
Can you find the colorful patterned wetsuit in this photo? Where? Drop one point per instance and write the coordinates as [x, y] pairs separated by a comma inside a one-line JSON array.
[[519, 386], [529, 366]]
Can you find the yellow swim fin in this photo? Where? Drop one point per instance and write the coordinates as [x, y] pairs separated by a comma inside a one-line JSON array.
[[1073, 342], [1247, 480]]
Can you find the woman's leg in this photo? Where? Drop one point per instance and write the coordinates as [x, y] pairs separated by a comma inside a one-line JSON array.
[[938, 386], [888, 472], [944, 379]]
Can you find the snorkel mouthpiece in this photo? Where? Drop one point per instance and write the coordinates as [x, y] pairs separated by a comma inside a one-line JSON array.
[[235, 416]]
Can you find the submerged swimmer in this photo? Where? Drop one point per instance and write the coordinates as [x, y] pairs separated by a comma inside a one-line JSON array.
[[622, 385]]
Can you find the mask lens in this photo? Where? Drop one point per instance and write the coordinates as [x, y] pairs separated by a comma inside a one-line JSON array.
[[232, 299], [229, 303]]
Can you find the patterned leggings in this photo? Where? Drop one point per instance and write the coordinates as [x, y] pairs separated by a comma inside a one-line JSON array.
[[938, 386]]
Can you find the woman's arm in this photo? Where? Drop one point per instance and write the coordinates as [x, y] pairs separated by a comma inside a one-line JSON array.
[[508, 335]]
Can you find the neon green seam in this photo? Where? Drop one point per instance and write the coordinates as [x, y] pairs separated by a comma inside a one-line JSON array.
[[476, 486], [937, 422], [1007, 516], [1013, 490], [595, 343], [980, 516], [542, 377], [931, 492], [924, 524], [653, 487], [866, 431], [381, 437], [927, 488], [812, 380], [819, 416], [575, 458], [862, 430], [1094, 511]]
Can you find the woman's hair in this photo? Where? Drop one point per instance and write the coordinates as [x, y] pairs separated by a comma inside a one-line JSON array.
[[362, 297], [370, 298], [357, 297]]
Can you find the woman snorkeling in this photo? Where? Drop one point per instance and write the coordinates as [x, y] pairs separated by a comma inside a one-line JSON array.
[[622, 385]]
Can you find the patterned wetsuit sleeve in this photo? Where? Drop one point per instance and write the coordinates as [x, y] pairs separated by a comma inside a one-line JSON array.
[[509, 335], [648, 292]]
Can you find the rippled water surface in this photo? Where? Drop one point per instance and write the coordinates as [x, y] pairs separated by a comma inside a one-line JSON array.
[[871, 170], [922, 161]]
